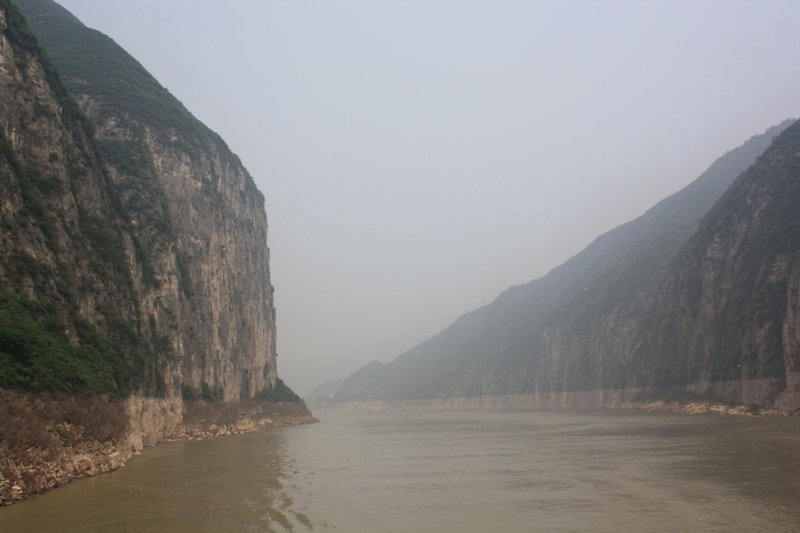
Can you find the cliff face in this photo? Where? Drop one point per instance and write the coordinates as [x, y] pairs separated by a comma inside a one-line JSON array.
[[715, 323], [726, 315], [68, 296], [203, 284], [662, 306], [721, 322], [209, 296], [133, 265]]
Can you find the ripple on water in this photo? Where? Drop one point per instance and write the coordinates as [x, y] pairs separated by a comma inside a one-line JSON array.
[[450, 471]]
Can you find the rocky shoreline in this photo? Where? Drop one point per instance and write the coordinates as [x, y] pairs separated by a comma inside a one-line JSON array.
[[48, 439], [571, 400], [703, 408], [732, 397]]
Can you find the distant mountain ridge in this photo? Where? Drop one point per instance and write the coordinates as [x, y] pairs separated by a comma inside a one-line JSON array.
[[580, 329]]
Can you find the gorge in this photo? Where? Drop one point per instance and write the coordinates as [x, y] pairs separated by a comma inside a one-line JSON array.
[[136, 294]]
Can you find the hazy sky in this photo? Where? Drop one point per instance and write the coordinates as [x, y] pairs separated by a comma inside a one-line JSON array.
[[419, 157]]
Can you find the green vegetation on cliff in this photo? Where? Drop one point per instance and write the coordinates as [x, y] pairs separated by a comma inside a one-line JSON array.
[[197, 232], [34, 354], [126, 89], [18, 33], [64, 232], [281, 393]]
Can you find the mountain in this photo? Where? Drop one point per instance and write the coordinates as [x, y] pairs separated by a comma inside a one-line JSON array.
[[309, 374], [321, 395], [204, 280], [135, 295], [588, 332], [727, 316], [69, 313]]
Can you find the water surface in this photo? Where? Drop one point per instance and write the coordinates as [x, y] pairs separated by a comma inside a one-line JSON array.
[[465, 471]]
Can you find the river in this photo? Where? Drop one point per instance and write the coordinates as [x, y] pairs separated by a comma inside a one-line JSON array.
[[443, 471]]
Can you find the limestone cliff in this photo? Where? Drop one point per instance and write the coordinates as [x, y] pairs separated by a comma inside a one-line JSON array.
[[664, 306], [720, 322], [204, 283], [134, 268], [69, 315], [726, 315]]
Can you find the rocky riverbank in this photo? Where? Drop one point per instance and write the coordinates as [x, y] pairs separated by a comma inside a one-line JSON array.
[[49, 439], [641, 399], [703, 408]]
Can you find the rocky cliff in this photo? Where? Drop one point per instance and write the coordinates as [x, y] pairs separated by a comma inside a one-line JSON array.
[[718, 323], [69, 300], [726, 315], [133, 264], [203, 284], [632, 317]]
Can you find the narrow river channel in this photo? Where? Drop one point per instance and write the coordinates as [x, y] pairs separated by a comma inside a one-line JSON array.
[[464, 471]]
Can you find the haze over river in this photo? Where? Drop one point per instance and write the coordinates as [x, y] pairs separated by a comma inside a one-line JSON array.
[[460, 471]]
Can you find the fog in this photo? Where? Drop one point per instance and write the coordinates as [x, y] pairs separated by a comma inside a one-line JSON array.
[[418, 158]]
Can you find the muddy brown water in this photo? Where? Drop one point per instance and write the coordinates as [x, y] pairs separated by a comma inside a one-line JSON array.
[[442, 471]]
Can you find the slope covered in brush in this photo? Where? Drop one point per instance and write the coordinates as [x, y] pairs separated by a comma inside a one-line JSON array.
[[69, 312]]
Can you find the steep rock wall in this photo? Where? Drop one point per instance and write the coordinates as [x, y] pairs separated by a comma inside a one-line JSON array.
[[719, 323], [147, 281], [726, 314], [211, 303], [791, 342], [66, 248], [203, 280]]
